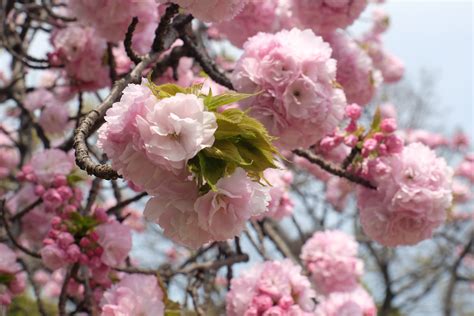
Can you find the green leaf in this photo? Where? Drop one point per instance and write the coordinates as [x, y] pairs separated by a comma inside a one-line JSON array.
[[375, 126], [6, 278], [169, 89], [240, 141], [214, 102]]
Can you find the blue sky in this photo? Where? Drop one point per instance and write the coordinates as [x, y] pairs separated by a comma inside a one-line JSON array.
[[437, 35]]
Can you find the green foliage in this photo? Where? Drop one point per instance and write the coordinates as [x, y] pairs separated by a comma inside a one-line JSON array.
[[6, 278], [240, 141], [25, 305], [79, 225], [375, 126], [169, 90], [214, 102]]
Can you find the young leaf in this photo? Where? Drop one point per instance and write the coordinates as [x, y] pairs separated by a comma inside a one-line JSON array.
[[214, 102]]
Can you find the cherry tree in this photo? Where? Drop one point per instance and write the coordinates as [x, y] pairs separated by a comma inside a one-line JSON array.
[[144, 170]]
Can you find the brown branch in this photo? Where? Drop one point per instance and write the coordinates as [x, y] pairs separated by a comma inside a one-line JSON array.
[[163, 28], [126, 202], [26, 210], [10, 234], [128, 42], [448, 299], [333, 169], [36, 289], [71, 273], [93, 119], [280, 244]]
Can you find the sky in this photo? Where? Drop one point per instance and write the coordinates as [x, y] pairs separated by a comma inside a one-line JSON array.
[[438, 36]]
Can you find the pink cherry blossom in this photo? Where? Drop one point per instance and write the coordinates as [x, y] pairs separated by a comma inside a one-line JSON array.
[[116, 241], [280, 205], [268, 288], [211, 10], [293, 74], [111, 21], [466, 168], [355, 303], [324, 16], [223, 213], [54, 257], [428, 138], [82, 52], [54, 118], [391, 67], [134, 295], [38, 98], [16, 280], [175, 129], [412, 197], [174, 212], [49, 163], [330, 256], [355, 71], [257, 16]]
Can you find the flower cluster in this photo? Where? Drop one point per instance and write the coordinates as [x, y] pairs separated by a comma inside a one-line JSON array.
[[110, 20], [94, 241], [193, 220], [331, 258], [391, 67], [355, 71], [324, 16], [412, 196], [271, 288], [134, 295], [356, 302], [82, 52], [211, 10], [281, 204], [466, 168], [199, 165], [381, 139], [257, 16], [293, 74], [48, 172], [12, 280]]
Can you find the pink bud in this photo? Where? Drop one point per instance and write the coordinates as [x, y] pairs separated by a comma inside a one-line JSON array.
[[68, 209], [55, 221], [65, 192], [48, 241], [101, 215], [394, 144], [73, 252], [85, 242], [39, 190], [285, 302], [99, 251], [94, 236], [352, 127], [262, 302], [353, 111], [351, 140], [370, 144], [59, 181], [65, 239], [379, 137], [388, 125]]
